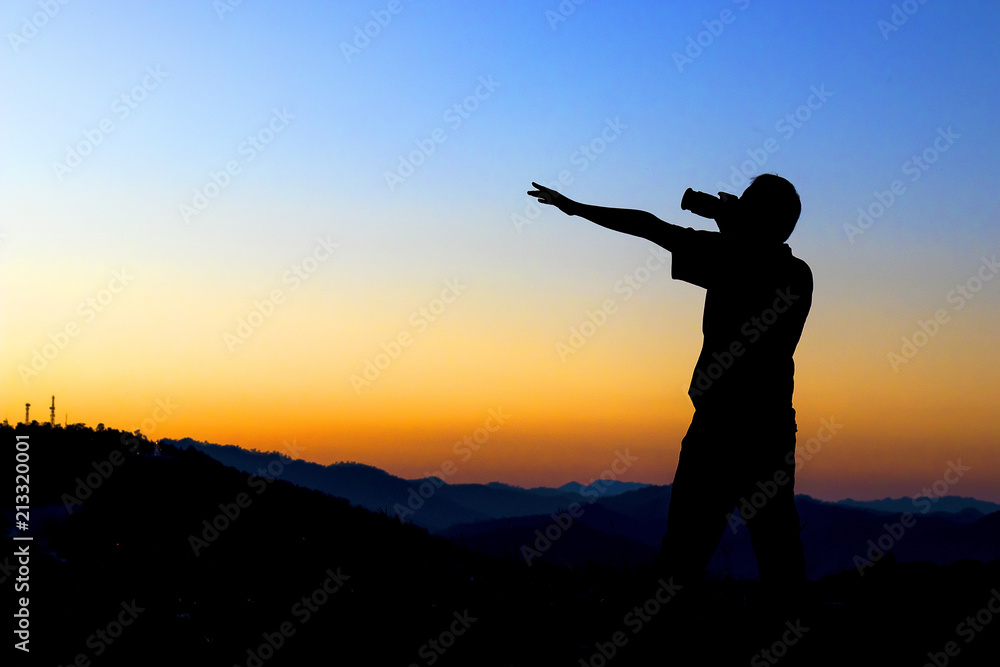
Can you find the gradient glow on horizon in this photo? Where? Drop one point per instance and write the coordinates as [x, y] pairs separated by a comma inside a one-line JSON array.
[[152, 351]]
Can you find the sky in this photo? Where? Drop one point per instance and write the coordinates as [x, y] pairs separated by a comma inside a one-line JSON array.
[[303, 227]]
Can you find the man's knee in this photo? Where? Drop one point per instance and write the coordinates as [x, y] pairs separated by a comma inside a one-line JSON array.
[[776, 513]]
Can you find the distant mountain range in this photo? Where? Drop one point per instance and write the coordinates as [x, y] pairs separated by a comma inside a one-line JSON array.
[[622, 523], [427, 502], [969, 507]]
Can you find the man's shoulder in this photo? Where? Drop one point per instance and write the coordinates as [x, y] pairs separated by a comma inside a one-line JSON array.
[[800, 277], [688, 238], [801, 268]]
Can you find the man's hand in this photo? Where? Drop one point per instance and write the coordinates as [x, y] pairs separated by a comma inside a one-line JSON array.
[[549, 196]]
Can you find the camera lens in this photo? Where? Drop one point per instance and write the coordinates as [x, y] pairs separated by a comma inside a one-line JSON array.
[[701, 203]]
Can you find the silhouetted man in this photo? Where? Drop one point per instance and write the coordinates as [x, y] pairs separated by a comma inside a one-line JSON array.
[[741, 442]]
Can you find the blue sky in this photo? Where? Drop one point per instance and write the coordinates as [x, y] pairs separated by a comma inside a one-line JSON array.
[[557, 84]]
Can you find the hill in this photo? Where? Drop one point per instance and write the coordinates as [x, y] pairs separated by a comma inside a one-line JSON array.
[[165, 556]]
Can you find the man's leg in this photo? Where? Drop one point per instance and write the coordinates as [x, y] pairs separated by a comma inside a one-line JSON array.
[[702, 495], [774, 533], [774, 529]]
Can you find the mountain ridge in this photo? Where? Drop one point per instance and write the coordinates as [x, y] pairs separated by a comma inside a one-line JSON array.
[[608, 488], [499, 519]]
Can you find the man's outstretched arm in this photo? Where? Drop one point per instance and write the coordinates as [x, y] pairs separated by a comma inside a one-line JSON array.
[[626, 220]]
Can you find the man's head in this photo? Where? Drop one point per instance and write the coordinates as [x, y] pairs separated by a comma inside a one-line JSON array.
[[769, 209]]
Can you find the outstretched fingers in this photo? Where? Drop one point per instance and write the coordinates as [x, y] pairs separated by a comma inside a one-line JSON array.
[[545, 195]]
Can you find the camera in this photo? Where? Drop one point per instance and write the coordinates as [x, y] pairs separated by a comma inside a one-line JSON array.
[[707, 206]]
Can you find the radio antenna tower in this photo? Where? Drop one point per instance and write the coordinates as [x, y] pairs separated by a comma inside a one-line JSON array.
[[27, 411], [52, 412]]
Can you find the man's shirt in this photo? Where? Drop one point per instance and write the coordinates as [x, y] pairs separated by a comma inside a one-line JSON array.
[[756, 304]]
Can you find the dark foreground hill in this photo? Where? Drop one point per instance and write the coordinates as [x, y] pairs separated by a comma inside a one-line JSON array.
[[167, 557]]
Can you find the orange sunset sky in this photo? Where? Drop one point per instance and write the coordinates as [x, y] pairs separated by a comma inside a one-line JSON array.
[[254, 214]]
